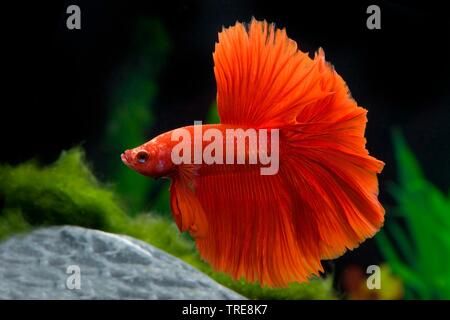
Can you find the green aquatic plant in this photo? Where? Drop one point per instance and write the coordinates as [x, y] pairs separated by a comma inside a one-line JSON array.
[[64, 193], [12, 222], [161, 203], [213, 114], [131, 117], [315, 289], [416, 242], [67, 193]]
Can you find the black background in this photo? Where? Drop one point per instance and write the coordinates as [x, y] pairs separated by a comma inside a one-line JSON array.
[[55, 80]]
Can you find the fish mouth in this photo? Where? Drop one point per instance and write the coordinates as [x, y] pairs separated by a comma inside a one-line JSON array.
[[124, 158]]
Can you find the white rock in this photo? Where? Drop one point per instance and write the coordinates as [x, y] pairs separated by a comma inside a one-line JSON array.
[[34, 266]]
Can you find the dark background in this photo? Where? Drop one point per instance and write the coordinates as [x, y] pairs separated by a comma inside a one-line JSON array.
[[55, 80]]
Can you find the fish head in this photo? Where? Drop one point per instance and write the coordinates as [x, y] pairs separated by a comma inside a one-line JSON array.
[[149, 159]]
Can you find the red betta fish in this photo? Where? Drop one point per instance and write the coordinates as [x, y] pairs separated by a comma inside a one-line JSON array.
[[276, 228]]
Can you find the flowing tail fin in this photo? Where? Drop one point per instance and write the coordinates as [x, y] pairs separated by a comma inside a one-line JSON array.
[[276, 229]]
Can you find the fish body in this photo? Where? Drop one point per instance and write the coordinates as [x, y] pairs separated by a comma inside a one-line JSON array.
[[272, 226], [158, 152]]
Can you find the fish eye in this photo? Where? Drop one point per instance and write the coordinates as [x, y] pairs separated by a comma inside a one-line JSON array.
[[142, 156]]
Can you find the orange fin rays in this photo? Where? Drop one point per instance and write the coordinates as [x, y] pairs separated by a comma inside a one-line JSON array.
[[251, 233], [262, 67], [186, 209], [276, 229]]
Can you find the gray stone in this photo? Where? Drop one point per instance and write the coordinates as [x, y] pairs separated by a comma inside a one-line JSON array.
[[34, 266]]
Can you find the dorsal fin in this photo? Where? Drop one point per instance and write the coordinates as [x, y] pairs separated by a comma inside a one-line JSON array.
[[263, 80]]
